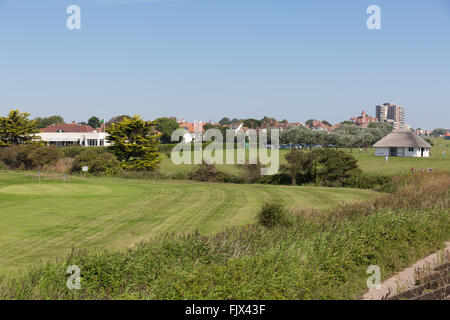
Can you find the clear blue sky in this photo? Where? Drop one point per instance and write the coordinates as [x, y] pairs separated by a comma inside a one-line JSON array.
[[205, 59]]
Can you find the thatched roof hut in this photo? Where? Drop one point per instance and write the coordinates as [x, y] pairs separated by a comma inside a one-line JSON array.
[[403, 143]]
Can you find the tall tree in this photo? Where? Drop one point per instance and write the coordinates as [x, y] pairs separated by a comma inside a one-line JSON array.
[[16, 128], [135, 143], [116, 119], [48, 121], [309, 122], [166, 126], [225, 121], [94, 122]]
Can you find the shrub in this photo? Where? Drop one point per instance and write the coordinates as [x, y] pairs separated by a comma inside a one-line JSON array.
[[272, 214], [251, 172], [72, 152], [41, 157], [362, 180], [3, 166], [29, 157], [328, 167], [96, 162], [206, 172]]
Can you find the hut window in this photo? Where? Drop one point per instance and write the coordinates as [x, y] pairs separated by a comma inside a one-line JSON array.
[[411, 149]]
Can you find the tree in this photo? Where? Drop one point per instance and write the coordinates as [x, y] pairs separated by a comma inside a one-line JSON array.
[[135, 143], [94, 122], [166, 126], [48, 121], [116, 119], [225, 121], [326, 122], [16, 128], [439, 132], [310, 122], [327, 166], [252, 123], [347, 122]]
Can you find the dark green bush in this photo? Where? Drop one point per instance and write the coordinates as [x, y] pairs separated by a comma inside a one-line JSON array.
[[205, 172], [367, 181], [96, 162], [328, 167], [209, 173], [251, 173], [72, 152], [272, 214], [29, 157]]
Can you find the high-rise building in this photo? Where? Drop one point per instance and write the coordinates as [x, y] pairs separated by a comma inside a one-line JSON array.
[[392, 113]]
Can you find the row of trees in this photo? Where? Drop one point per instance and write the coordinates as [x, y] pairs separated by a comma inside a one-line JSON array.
[[345, 136], [41, 123]]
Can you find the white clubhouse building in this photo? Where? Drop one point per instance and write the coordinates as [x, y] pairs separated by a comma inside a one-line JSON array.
[[402, 143], [73, 134]]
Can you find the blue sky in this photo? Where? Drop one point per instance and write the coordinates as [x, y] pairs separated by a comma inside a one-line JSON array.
[[205, 59]]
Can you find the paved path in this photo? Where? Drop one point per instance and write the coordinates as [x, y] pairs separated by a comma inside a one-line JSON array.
[[406, 279]]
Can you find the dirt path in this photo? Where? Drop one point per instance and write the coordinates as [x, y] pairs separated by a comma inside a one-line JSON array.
[[405, 280]]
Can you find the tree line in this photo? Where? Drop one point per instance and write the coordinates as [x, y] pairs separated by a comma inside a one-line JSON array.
[[345, 136]]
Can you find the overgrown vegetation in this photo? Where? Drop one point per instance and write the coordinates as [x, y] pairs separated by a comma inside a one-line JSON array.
[[29, 156], [320, 255], [96, 162]]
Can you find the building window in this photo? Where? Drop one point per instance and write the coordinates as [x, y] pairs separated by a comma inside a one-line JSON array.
[[411, 149], [102, 142], [92, 142]]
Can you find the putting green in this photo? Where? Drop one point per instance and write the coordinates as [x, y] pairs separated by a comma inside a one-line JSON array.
[[45, 221]]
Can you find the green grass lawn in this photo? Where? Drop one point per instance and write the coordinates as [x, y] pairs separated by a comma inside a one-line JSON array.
[[42, 221], [366, 161]]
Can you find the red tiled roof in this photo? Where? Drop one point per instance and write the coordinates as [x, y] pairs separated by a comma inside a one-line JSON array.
[[190, 127], [68, 127]]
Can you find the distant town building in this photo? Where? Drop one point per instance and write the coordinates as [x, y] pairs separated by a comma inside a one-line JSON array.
[[391, 113], [421, 132], [402, 143], [73, 134], [363, 120], [320, 126], [194, 130]]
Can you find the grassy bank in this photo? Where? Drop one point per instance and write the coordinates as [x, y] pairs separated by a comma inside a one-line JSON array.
[[320, 255]]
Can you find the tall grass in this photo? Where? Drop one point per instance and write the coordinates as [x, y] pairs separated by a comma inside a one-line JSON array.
[[316, 256]]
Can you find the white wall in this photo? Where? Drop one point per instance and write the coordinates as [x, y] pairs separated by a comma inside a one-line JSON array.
[[74, 137], [382, 152]]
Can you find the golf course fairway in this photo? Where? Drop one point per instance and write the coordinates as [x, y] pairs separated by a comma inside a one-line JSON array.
[[46, 219]]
